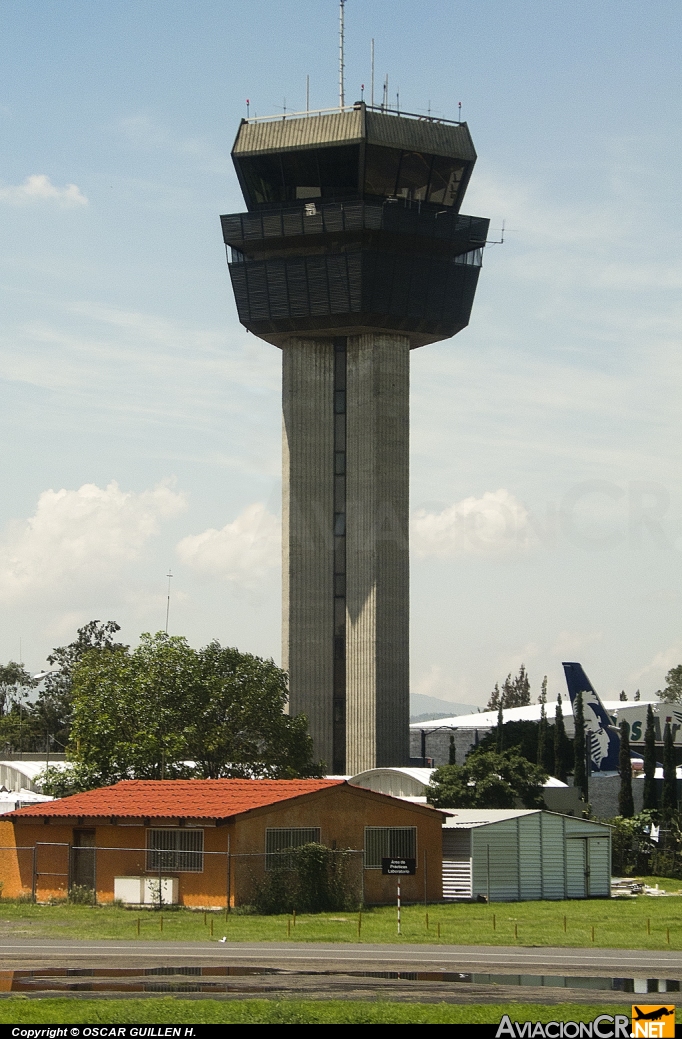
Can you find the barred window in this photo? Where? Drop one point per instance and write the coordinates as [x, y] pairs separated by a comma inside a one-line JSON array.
[[280, 842], [175, 851], [389, 842]]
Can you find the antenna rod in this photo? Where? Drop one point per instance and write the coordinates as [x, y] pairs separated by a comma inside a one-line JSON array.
[[342, 99], [307, 93], [168, 575], [372, 93]]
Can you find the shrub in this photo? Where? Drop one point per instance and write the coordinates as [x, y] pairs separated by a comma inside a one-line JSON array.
[[316, 880], [81, 895]]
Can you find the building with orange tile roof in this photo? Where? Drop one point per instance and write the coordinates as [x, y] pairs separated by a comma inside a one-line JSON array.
[[210, 840]]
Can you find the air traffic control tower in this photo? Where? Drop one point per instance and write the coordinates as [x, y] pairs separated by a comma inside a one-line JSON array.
[[352, 253]]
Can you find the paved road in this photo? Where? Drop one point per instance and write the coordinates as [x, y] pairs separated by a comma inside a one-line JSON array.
[[30, 952]]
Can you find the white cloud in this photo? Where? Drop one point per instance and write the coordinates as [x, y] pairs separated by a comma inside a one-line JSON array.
[[494, 523], [242, 551], [82, 535], [39, 188], [661, 663], [568, 643]]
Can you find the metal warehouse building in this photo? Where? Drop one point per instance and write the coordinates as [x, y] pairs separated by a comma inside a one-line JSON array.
[[523, 855]]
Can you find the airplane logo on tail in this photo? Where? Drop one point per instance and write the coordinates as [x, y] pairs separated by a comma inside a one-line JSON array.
[[603, 739]]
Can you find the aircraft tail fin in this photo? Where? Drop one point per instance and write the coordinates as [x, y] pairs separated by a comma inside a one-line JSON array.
[[603, 742]]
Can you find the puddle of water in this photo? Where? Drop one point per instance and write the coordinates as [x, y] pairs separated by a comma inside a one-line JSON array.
[[212, 979]]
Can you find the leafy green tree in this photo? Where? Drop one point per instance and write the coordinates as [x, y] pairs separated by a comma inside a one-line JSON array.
[[637, 694], [54, 705], [499, 733], [562, 746], [580, 779], [521, 737], [626, 804], [515, 692], [673, 686], [488, 780], [452, 751], [650, 793], [167, 711], [669, 792], [623, 695], [20, 729]]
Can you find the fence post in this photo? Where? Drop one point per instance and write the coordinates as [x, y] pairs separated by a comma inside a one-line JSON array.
[[362, 876], [424, 876], [34, 882], [229, 875]]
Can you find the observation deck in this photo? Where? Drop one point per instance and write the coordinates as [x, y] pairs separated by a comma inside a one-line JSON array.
[[354, 226]]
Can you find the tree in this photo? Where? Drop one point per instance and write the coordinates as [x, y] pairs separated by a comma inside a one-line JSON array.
[[515, 692], [562, 747], [500, 729], [488, 780], [650, 794], [168, 711], [54, 704], [452, 751], [542, 727], [521, 737], [20, 729], [580, 750], [669, 792], [623, 695], [673, 686], [495, 699], [626, 804], [637, 695]]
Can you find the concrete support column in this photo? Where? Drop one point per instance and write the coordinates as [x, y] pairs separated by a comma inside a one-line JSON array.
[[377, 546], [307, 534]]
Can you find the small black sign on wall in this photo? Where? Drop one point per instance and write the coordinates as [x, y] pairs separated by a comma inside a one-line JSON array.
[[398, 867]]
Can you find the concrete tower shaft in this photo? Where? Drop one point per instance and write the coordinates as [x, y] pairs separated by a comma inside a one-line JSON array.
[[346, 544], [353, 252]]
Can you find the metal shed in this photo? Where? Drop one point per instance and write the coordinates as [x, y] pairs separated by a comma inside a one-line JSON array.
[[524, 855]]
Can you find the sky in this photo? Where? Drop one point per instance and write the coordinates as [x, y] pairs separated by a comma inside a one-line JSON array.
[[140, 428]]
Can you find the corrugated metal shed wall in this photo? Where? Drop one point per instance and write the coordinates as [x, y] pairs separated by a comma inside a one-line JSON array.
[[540, 856], [496, 845], [552, 856], [530, 856], [311, 131]]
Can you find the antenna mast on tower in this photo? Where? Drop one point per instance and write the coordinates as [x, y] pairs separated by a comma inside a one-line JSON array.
[[342, 99]]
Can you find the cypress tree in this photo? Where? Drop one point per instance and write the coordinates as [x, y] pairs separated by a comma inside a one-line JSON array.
[[542, 737], [452, 753], [669, 795], [650, 796], [560, 739], [626, 805], [542, 727], [579, 749], [500, 729]]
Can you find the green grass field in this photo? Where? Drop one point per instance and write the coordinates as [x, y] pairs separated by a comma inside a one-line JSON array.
[[285, 1012], [640, 923]]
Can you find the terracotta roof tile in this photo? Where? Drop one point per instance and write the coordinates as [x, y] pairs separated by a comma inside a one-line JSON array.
[[176, 798]]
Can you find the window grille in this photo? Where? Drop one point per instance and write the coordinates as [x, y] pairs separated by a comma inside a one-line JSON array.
[[175, 851], [389, 842], [279, 844]]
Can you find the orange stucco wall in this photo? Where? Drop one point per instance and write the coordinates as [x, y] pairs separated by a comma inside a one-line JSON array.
[[341, 813]]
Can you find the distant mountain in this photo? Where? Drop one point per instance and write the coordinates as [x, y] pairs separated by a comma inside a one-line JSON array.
[[424, 708]]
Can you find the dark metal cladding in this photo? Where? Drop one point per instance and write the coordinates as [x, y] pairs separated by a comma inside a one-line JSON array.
[[354, 226]]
